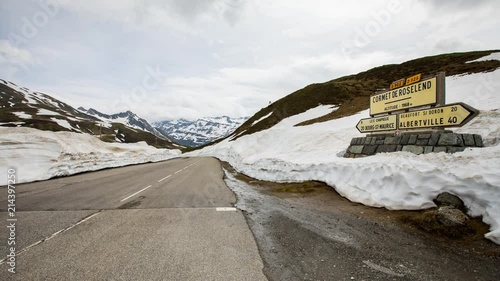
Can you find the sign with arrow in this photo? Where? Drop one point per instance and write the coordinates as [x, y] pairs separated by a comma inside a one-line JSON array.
[[452, 115], [385, 123]]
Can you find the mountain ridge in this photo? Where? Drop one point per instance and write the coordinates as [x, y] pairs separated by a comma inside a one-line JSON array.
[[127, 118], [21, 107], [350, 93], [200, 131]]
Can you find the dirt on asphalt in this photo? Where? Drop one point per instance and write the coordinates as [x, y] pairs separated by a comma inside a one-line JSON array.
[[307, 231]]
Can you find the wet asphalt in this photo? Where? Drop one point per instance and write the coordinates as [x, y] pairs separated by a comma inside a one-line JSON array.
[[322, 236]]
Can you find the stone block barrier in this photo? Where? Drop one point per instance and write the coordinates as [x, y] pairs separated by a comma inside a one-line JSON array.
[[421, 143]]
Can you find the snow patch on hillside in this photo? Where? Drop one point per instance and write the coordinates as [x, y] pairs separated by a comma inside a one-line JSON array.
[[64, 124], [494, 56], [22, 115], [43, 111], [400, 180], [40, 155], [262, 118]]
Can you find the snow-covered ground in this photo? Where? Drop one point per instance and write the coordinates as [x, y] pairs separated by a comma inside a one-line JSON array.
[[40, 155], [493, 56], [400, 180]]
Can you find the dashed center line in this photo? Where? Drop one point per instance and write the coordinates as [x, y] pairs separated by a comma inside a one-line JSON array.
[[165, 178], [135, 193], [53, 235], [225, 209], [132, 195], [177, 172]]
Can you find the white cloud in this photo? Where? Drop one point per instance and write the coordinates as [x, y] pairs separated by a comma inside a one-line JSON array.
[[13, 55], [232, 56], [243, 91], [176, 14]]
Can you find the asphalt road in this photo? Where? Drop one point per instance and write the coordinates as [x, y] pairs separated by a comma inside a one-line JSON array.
[[319, 235], [164, 221]]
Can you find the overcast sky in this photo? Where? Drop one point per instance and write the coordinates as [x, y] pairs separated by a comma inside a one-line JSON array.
[[167, 59]]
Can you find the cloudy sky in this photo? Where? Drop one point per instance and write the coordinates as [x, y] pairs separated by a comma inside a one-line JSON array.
[[167, 59]]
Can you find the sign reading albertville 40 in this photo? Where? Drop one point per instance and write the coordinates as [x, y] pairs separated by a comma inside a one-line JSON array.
[[444, 116], [409, 93]]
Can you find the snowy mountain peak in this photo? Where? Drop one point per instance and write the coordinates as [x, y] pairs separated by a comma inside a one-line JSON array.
[[127, 118], [21, 107], [201, 131]]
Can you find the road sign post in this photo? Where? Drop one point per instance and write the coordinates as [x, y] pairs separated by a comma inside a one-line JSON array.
[[397, 109], [414, 106]]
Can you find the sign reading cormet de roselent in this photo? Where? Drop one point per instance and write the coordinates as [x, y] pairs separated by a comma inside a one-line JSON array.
[[421, 93]]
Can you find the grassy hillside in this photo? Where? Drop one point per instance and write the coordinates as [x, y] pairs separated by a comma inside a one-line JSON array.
[[351, 92]]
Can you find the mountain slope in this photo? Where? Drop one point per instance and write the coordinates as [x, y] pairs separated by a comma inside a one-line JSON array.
[[350, 93], [126, 118], [20, 107], [201, 131]]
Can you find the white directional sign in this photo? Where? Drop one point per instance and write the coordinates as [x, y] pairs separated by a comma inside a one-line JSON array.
[[385, 123], [391, 110]]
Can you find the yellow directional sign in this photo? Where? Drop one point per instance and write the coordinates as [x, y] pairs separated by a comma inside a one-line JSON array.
[[397, 84], [385, 123], [413, 79], [418, 94], [452, 115]]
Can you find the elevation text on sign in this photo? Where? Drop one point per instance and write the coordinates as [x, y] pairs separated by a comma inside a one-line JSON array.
[[414, 95]]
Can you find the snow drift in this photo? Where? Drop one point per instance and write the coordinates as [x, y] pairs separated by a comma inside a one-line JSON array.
[[400, 180], [40, 155]]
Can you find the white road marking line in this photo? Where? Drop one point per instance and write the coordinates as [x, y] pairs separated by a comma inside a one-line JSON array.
[[52, 235], [176, 172], [382, 269], [165, 178], [225, 209], [135, 193]]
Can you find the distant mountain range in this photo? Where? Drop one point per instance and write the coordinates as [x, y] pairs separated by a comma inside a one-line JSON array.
[[21, 107], [201, 131]]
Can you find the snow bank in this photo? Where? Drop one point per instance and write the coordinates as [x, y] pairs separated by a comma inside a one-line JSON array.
[[400, 180], [493, 56], [40, 155], [22, 115]]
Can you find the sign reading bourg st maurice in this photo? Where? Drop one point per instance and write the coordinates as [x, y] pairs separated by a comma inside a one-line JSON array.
[[414, 92]]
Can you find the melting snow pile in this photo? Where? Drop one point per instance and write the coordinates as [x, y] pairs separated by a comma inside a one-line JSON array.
[[40, 155], [398, 180]]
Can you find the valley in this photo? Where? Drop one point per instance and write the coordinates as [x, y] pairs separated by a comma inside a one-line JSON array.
[[265, 197]]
